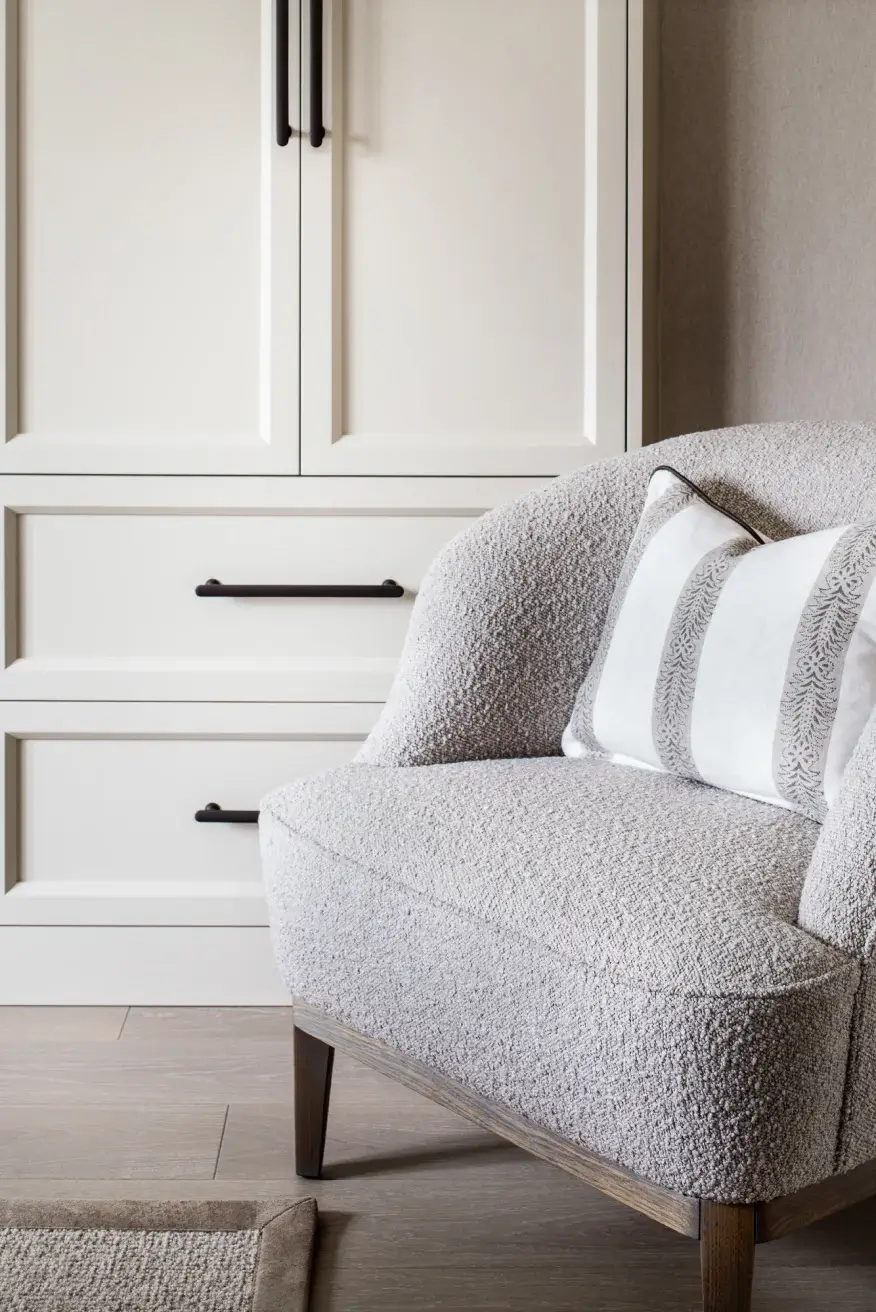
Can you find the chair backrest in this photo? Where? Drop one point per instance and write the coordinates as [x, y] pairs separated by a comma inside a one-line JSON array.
[[509, 616], [790, 478]]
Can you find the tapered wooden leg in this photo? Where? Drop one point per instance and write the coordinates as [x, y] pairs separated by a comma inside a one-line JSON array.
[[313, 1086], [726, 1256]]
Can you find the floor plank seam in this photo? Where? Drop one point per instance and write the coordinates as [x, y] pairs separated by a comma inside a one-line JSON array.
[[221, 1140]]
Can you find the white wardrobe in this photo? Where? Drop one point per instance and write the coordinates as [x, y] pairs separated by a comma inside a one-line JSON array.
[[279, 368]]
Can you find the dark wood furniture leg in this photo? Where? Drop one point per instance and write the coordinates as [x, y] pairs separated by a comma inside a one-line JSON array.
[[726, 1256], [313, 1085]]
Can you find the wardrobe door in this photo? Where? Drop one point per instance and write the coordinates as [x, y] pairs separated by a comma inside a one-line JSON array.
[[463, 235], [151, 252]]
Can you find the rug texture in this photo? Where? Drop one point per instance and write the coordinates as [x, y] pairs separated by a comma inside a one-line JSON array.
[[156, 1257]]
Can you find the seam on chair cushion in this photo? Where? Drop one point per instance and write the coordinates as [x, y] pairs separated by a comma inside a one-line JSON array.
[[847, 966], [850, 1079]]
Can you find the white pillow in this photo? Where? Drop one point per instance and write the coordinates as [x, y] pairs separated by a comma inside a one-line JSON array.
[[745, 664]]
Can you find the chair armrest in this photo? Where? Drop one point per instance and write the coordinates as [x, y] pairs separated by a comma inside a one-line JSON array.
[[838, 903], [507, 620]]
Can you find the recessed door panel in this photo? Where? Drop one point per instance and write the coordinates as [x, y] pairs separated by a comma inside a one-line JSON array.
[[467, 212], [153, 283]]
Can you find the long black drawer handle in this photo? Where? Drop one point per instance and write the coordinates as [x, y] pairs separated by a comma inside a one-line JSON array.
[[213, 588], [214, 814], [281, 71], [317, 131]]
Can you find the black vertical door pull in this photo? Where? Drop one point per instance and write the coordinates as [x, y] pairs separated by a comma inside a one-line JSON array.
[[317, 131], [281, 70]]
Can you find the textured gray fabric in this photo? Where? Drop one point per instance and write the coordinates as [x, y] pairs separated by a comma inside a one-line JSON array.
[[857, 1142], [815, 669], [838, 902], [131, 1256], [127, 1270], [629, 975], [639, 875], [509, 617], [839, 905], [608, 951]]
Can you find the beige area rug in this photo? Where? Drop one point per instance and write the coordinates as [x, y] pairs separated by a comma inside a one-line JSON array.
[[156, 1257]]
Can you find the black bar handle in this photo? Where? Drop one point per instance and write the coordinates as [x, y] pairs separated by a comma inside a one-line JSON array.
[[213, 588], [214, 814], [281, 70], [317, 131]]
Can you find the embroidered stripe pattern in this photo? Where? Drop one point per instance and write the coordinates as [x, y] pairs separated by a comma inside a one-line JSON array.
[[659, 513], [677, 677], [814, 673]]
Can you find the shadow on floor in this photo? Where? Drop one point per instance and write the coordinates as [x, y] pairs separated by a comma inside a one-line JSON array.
[[449, 1154]]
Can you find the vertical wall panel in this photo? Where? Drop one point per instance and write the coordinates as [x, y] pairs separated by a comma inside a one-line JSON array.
[[768, 211]]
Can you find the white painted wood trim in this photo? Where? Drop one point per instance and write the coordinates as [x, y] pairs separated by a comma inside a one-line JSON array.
[[363, 681], [139, 966], [325, 447], [9, 212], [189, 453], [605, 328], [257, 676], [259, 720], [274, 447], [643, 67], [230, 496], [173, 901], [156, 902]]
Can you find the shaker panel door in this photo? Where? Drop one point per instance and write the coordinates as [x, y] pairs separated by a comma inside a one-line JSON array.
[[151, 239], [463, 236]]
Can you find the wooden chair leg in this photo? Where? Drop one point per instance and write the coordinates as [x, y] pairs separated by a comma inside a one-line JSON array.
[[726, 1257], [313, 1085]]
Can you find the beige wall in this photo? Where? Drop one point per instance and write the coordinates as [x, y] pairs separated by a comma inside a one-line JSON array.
[[768, 211]]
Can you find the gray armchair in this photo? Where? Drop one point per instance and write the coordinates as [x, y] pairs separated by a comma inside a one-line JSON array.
[[662, 988]]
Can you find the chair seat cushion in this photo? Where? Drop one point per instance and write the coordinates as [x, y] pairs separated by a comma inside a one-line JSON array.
[[609, 952]]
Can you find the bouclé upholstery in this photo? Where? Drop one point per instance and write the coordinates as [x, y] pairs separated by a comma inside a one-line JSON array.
[[527, 927], [672, 976], [509, 616]]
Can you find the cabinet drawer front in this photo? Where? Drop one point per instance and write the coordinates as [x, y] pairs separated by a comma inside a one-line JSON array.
[[101, 806], [107, 604], [139, 965]]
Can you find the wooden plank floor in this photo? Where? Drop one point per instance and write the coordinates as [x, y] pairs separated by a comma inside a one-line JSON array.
[[418, 1211]]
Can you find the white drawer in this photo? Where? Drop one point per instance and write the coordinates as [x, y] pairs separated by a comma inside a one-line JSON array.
[[139, 966], [107, 609], [101, 802]]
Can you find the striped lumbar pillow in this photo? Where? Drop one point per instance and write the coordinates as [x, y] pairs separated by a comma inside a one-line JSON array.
[[745, 664]]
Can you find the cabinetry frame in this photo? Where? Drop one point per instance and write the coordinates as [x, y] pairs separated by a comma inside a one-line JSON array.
[[618, 140]]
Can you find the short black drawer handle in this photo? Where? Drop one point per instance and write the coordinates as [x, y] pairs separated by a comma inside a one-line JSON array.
[[214, 814], [213, 588]]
